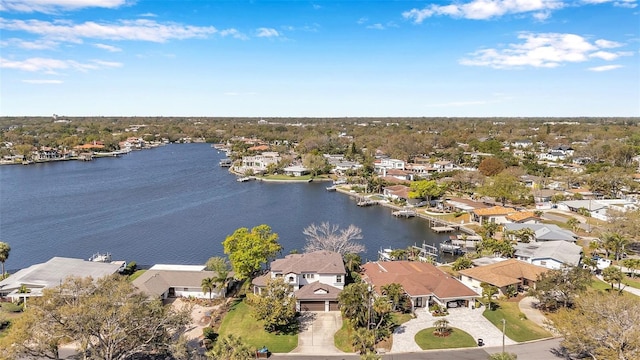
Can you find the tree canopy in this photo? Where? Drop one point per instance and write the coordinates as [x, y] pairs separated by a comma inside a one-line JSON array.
[[560, 288], [107, 318], [249, 250], [426, 189], [504, 187], [275, 305]]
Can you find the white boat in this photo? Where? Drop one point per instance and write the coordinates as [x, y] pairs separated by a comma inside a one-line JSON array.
[[243, 179], [226, 162], [331, 188], [385, 255], [98, 257]]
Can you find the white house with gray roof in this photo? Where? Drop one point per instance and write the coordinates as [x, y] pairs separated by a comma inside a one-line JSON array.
[[52, 273], [170, 281], [542, 232], [316, 278], [549, 254]]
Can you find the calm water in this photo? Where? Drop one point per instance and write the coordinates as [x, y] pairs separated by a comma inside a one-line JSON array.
[[172, 204]]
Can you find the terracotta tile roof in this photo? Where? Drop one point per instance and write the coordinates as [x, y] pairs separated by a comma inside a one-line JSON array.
[[496, 210], [259, 148], [505, 273], [317, 291], [417, 279], [319, 262], [520, 216]]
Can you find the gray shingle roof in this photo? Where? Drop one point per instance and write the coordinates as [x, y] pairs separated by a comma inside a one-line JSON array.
[[562, 251], [157, 282], [317, 291]]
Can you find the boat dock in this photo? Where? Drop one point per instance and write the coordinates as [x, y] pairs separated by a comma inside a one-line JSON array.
[[226, 162], [404, 213], [364, 202], [442, 229]]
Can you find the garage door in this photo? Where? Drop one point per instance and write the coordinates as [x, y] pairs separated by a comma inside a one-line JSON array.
[[312, 305], [333, 306]]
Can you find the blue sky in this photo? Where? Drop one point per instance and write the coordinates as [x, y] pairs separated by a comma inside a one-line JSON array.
[[320, 58]]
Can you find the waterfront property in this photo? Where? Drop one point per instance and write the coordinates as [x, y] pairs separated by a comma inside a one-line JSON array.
[[502, 274], [316, 278], [424, 283], [550, 254], [34, 279], [170, 281]]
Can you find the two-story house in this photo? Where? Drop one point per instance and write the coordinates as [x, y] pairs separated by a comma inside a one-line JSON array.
[[316, 279]]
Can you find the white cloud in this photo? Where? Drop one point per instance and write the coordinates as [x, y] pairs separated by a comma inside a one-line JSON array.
[[267, 32], [542, 50], [48, 6], [141, 29], [606, 44], [376, 26], [51, 66], [620, 3], [233, 33], [148, 15], [109, 48], [40, 44], [485, 9], [36, 81], [362, 20], [605, 68]]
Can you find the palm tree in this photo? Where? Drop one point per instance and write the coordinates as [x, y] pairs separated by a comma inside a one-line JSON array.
[[442, 326], [573, 223], [525, 235], [394, 292], [208, 284], [616, 243], [4, 255], [221, 268], [231, 347]]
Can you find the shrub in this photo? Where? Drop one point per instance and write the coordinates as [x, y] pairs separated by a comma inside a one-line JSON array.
[[11, 307]]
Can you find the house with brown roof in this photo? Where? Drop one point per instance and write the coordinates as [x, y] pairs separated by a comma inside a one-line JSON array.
[[495, 214], [523, 217], [316, 279], [502, 274], [395, 192], [424, 283]]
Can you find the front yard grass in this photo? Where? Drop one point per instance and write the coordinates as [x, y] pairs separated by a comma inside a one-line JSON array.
[[457, 339], [136, 275], [632, 282], [241, 323], [342, 337], [517, 329]]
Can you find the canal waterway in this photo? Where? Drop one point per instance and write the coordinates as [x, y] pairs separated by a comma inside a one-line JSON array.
[[171, 204]]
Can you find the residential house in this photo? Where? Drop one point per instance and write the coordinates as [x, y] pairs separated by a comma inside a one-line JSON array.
[[495, 214], [524, 143], [523, 217], [598, 209], [503, 274], [52, 273], [397, 192], [170, 281], [388, 163], [258, 163], [549, 254], [460, 204], [424, 283], [404, 175], [542, 232], [316, 279], [296, 170]]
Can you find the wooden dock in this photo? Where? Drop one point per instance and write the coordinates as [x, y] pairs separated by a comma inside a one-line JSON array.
[[442, 229], [367, 202], [404, 213]]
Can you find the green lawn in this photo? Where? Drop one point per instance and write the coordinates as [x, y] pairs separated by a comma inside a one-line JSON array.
[[632, 282], [457, 339], [517, 329], [240, 322], [136, 275], [342, 338]]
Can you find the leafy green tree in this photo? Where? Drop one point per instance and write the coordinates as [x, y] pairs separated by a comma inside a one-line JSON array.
[[426, 189], [615, 243], [601, 326], [489, 229], [613, 275], [488, 291], [208, 285], [354, 301], [275, 305], [504, 187], [560, 287], [249, 250], [632, 264], [230, 347], [316, 163], [107, 318], [395, 293], [5, 249], [220, 266], [573, 223], [363, 340], [462, 263]]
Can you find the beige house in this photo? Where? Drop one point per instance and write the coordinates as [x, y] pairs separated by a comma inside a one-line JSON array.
[[502, 274], [316, 278]]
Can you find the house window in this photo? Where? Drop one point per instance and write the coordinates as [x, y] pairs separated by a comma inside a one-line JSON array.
[[308, 276], [338, 279], [278, 275], [543, 263], [185, 289], [290, 278]]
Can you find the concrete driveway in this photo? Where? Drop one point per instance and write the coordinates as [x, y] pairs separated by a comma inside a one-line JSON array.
[[316, 333]]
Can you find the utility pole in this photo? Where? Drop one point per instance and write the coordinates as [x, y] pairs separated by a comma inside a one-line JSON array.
[[504, 324]]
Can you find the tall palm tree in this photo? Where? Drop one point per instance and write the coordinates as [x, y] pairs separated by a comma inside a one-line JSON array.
[[208, 284], [4, 255], [615, 243]]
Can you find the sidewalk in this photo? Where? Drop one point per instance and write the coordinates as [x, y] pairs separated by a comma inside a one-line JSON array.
[[468, 320]]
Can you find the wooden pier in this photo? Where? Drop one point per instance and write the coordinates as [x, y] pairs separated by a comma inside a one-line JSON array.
[[367, 202], [404, 213], [442, 229]]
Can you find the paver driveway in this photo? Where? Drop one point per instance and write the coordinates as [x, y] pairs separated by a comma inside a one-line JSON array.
[[317, 331]]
